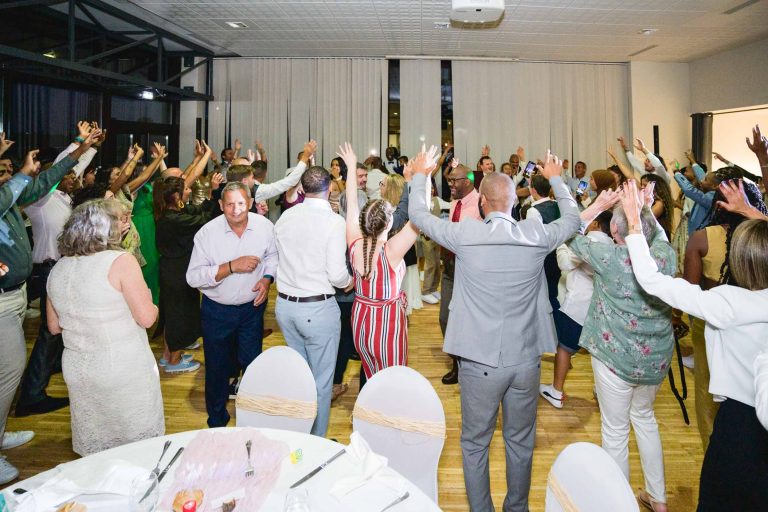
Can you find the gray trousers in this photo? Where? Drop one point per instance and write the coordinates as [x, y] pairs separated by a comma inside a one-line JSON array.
[[313, 329], [13, 348], [482, 389], [446, 293]]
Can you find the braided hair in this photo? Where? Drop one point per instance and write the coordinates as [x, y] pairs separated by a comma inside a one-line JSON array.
[[730, 221], [374, 219]]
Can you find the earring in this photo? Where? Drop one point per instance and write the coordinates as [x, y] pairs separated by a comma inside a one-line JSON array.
[[180, 204]]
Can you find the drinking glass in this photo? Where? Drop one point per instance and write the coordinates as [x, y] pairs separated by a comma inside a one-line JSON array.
[[144, 493], [297, 500]]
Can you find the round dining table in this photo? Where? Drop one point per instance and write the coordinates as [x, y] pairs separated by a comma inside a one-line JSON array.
[[314, 452]]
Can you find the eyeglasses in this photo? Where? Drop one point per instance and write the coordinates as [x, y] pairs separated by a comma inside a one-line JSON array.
[[451, 181]]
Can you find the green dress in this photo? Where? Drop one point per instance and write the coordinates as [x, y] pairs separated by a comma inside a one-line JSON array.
[[143, 218]]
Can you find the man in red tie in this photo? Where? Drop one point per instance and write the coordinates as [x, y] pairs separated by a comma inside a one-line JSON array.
[[465, 205]]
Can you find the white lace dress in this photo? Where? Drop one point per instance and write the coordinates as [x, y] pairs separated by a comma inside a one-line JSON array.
[[109, 369]]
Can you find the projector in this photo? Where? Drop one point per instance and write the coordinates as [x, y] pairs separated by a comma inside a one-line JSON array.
[[476, 11]]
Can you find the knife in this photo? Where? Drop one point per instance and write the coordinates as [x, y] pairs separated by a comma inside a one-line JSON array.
[[162, 474], [317, 469], [176, 456]]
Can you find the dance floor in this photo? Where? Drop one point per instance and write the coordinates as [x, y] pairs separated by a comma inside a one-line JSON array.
[[579, 420]]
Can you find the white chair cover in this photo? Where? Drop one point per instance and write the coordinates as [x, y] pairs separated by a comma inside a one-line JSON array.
[[401, 392], [278, 372], [585, 478]]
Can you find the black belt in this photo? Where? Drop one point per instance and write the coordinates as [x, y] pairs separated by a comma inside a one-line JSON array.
[[12, 288], [314, 298]]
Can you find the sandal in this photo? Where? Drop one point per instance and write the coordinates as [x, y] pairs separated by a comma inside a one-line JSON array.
[[338, 390], [651, 504]]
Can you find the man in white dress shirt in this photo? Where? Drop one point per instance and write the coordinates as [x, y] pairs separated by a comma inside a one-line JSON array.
[[232, 264], [311, 242], [48, 216]]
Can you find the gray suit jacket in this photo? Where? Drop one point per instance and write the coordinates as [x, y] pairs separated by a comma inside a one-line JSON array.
[[500, 313]]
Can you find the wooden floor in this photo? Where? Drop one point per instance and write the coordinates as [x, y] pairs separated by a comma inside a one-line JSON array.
[[579, 420]]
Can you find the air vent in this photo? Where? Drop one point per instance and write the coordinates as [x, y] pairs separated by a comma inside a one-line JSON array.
[[442, 25], [236, 24], [644, 50]]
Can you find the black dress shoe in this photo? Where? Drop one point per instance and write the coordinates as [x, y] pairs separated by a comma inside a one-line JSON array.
[[46, 405], [452, 377]]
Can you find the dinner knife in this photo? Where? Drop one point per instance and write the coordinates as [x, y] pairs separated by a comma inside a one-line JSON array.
[[317, 469], [176, 456]]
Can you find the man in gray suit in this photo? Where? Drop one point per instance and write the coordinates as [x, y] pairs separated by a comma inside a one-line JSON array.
[[500, 322]]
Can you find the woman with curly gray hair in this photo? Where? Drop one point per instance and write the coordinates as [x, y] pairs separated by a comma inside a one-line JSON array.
[[99, 302]]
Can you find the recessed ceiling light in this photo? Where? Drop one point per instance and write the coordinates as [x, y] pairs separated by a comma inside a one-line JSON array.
[[442, 24], [647, 31], [51, 54], [236, 24]]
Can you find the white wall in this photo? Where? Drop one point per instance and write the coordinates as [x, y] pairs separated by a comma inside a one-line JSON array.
[[728, 133], [733, 79], [661, 96]]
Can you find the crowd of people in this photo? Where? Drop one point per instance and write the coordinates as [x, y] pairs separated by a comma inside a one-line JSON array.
[[526, 260]]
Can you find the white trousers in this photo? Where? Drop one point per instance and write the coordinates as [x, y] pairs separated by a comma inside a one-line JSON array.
[[620, 404]]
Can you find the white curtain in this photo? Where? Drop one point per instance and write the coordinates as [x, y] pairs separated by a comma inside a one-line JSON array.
[[285, 102], [574, 109], [419, 105]]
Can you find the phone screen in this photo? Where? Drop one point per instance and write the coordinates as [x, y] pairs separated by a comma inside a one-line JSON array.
[[529, 167], [582, 187]]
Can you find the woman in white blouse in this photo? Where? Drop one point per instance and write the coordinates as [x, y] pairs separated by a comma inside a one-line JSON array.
[[734, 475]]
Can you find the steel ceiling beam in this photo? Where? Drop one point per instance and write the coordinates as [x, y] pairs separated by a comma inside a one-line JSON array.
[[119, 49], [90, 70]]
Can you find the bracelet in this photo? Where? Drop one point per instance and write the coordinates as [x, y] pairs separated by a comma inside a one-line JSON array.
[[230, 268], [79, 139]]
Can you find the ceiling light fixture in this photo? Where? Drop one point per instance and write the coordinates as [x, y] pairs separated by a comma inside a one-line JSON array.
[[51, 54], [147, 95], [648, 31], [236, 24]]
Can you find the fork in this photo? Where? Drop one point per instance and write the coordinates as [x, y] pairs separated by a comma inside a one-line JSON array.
[[400, 499], [156, 471], [249, 471]]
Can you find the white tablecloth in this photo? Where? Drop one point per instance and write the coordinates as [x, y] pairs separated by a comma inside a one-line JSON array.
[[315, 450]]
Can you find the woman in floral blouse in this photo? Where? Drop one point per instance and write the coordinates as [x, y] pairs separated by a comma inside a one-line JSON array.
[[629, 335]]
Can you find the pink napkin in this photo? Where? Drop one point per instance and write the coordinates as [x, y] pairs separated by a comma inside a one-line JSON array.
[[216, 462]]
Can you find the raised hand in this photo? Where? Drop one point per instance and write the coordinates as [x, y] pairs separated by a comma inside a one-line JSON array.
[[206, 149], [630, 201], [199, 151], [137, 151], [101, 138], [238, 146], [622, 143], [29, 163], [309, 151], [250, 156], [759, 144], [647, 192], [5, 144], [158, 151], [486, 150], [552, 167], [408, 171], [606, 200], [520, 153], [719, 156], [348, 155], [83, 129], [216, 180], [640, 146]]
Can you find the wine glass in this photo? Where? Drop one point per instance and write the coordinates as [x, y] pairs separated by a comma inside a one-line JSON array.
[[143, 493], [297, 500]]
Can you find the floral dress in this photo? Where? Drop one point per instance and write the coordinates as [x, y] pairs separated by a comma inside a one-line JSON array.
[[627, 329]]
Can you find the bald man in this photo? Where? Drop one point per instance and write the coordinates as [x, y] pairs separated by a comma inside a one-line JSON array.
[[498, 336]]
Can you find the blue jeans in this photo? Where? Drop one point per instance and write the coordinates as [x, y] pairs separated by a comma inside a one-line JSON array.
[[313, 329], [227, 329]]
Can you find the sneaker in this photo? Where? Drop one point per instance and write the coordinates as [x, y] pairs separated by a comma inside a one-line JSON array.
[[429, 299], [14, 439], [234, 386], [182, 367], [437, 295], [8, 472], [551, 395], [194, 346], [688, 362], [184, 357], [32, 313]]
